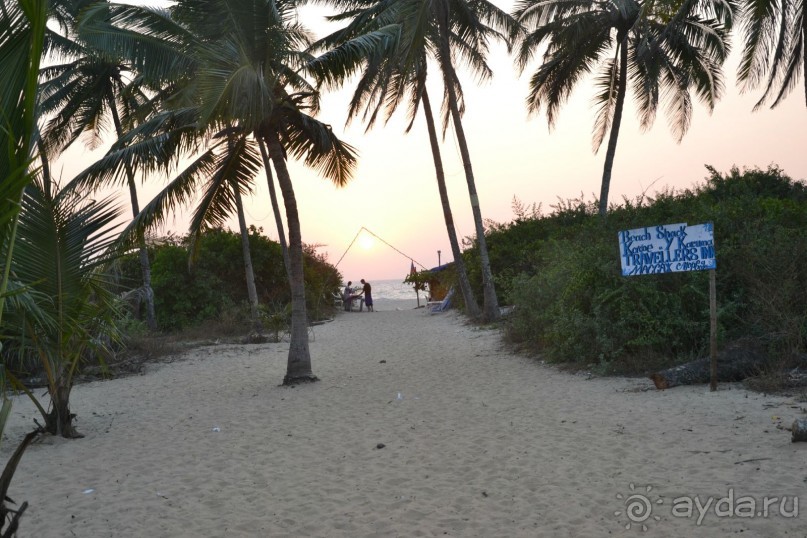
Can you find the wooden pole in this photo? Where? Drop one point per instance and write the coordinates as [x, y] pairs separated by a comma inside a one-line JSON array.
[[713, 330]]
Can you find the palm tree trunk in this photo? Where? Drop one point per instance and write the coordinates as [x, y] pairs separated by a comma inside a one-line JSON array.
[[252, 292], [59, 421], [471, 306], [47, 179], [281, 233], [298, 368], [612, 138], [145, 267], [491, 306]]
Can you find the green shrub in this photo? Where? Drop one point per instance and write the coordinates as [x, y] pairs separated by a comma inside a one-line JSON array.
[[573, 305], [212, 287], [184, 297]]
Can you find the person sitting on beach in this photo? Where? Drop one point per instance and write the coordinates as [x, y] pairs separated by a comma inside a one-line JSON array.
[[347, 297], [368, 297]]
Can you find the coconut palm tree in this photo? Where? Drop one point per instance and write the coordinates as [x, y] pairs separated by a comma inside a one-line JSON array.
[[22, 35], [248, 78], [774, 49], [64, 249], [252, 77], [22, 32], [667, 49], [80, 96], [444, 31], [382, 88]]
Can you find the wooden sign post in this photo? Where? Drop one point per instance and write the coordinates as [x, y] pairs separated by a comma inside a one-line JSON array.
[[673, 248], [712, 331]]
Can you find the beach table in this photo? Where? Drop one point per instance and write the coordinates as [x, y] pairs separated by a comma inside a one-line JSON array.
[[352, 302]]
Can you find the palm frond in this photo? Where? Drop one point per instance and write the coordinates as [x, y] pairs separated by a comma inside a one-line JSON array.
[[178, 193], [153, 147], [153, 43], [342, 62], [22, 31], [315, 142], [236, 166]]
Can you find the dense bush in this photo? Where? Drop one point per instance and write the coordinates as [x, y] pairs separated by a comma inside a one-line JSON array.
[[562, 271], [213, 287]]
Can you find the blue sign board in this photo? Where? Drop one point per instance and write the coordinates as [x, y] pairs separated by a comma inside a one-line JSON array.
[[669, 248]]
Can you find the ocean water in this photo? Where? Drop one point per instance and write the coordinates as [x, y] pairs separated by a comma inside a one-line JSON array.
[[393, 289]]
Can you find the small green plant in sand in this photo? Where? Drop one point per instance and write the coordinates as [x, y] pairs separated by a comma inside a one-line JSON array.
[[276, 320]]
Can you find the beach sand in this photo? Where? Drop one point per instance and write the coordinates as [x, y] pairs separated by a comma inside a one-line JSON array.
[[421, 425]]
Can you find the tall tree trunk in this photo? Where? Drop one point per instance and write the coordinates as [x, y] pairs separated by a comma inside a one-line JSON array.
[[47, 179], [281, 233], [59, 421], [491, 306], [298, 368], [612, 138], [471, 306], [249, 273], [145, 267]]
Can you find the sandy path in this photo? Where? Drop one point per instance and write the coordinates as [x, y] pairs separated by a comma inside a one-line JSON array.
[[480, 443]]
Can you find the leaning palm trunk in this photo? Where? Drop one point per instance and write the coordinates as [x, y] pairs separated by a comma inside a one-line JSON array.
[[612, 138], [491, 307], [299, 363], [471, 306], [249, 273], [281, 233], [145, 268]]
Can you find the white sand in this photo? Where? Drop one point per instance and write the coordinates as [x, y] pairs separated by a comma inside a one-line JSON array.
[[482, 443]]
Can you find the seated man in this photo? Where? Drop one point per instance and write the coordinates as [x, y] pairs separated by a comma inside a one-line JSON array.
[[347, 297]]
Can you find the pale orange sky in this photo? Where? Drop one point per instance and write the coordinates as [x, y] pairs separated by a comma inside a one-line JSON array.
[[394, 192]]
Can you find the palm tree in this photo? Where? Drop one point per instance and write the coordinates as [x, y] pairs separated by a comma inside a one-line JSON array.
[[249, 80], [80, 95], [667, 49], [441, 30], [775, 48], [386, 81], [251, 77], [22, 32], [457, 19], [229, 168], [471, 306], [64, 249]]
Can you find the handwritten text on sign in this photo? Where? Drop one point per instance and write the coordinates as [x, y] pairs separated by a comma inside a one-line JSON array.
[[667, 249]]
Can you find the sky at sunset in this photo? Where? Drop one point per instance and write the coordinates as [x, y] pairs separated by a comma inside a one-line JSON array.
[[394, 192]]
